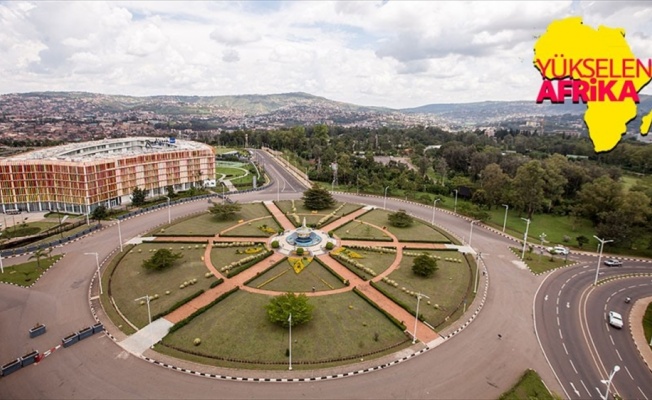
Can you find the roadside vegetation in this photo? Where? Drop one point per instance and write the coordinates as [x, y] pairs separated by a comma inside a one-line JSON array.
[[529, 386]]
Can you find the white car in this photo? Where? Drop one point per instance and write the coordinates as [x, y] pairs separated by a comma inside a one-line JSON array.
[[558, 250], [615, 319]]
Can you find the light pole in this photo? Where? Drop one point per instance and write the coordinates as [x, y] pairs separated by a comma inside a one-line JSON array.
[[597, 269], [169, 218], [434, 207], [120, 235], [477, 268], [455, 207], [542, 236], [97, 263], [357, 184], [608, 382], [527, 228], [471, 233], [385, 198], [416, 317], [2, 268], [290, 341], [505, 220], [149, 313]]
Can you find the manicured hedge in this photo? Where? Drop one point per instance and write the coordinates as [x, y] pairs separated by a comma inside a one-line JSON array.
[[389, 316], [178, 304], [282, 260], [202, 310], [235, 271], [329, 269], [394, 299]]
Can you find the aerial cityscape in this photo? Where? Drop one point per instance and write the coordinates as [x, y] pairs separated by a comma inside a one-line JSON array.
[[333, 199]]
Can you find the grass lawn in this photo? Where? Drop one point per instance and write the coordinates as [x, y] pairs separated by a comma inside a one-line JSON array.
[[205, 224], [286, 207], [25, 274], [282, 278], [539, 263], [419, 231], [223, 256], [356, 230], [448, 287], [130, 280], [343, 326], [377, 261], [529, 386], [255, 228], [647, 323]]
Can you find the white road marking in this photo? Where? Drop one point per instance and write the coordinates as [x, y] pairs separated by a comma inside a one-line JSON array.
[[577, 392], [629, 373], [617, 352], [545, 298], [612, 340], [558, 320], [560, 335], [565, 349], [585, 388], [568, 304], [639, 389], [572, 365]]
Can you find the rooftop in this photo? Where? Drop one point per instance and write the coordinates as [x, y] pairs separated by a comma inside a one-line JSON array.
[[108, 149]]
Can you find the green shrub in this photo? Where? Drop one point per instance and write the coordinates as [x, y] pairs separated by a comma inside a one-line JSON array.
[[329, 246], [275, 244]]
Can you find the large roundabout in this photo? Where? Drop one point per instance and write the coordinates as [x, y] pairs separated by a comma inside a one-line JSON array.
[[351, 264]]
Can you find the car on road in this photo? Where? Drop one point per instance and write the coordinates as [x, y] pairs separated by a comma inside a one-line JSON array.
[[615, 319], [558, 250], [612, 262]]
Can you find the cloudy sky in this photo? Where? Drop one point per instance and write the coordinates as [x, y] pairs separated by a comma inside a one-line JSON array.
[[377, 53]]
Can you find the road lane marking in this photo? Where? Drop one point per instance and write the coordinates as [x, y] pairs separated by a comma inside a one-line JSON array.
[[577, 392], [572, 365], [585, 388], [612, 340], [557, 310], [565, 349], [617, 352], [558, 321], [545, 298], [639, 389], [560, 335], [628, 373], [559, 294], [568, 304]]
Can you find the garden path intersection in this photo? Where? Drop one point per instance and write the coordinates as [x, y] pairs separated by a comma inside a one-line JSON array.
[[477, 364]]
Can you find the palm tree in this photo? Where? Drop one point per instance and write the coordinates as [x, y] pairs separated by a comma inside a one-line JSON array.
[[38, 254]]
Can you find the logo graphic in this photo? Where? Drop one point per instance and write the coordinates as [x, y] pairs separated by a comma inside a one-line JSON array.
[[595, 67]]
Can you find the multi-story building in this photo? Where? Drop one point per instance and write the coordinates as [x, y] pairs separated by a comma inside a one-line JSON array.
[[78, 177]]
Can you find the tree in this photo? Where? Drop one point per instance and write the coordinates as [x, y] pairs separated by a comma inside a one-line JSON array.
[[100, 213], [280, 308], [581, 241], [162, 259], [225, 211], [496, 183], [424, 265], [317, 198], [138, 197], [38, 254], [170, 191], [529, 187], [598, 198], [400, 219]]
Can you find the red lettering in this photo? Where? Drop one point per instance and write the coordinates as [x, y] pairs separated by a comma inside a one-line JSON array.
[[587, 63], [626, 68], [580, 89], [629, 92], [541, 67], [564, 88], [599, 67], [547, 92], [605, 90]]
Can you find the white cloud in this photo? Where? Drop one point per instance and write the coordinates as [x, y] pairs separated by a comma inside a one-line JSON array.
[[395, 54]]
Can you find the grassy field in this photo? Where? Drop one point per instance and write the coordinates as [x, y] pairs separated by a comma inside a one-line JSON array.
[[130, 280], [447, 288], [647, 323], [282, 278], [223, 256], [314, 217], [377, 261], [343, 326], [25, 274], [417, 232], [206, 224], [541, 262], [255, 228], [356, 229], [529, 386]]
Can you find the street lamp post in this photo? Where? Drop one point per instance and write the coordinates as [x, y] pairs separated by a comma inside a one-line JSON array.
[[434, 208], [542, 236], [290, 341], [97, 263], [2, 268], [120, 235], [608, 381], [385, 198], [471, 232], [149, 313], [169, 217], [527, 228], [416, 317], [597, 269], [455, 207], [477, 268], [505, 220]]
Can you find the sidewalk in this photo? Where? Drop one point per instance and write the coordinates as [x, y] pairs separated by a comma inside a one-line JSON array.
[[636, 329], [278, 214]]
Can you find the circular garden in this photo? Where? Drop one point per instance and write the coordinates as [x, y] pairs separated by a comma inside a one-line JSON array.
[[223, 272]]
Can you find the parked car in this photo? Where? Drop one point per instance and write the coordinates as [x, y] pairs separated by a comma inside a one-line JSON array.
[[615, 319], [558, 250], [612, 262]]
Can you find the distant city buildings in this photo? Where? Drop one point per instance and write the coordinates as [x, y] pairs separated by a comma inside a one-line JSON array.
[[78, 177]]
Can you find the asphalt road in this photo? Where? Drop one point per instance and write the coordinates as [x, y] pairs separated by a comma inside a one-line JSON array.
[[571, 320], [473, 364]]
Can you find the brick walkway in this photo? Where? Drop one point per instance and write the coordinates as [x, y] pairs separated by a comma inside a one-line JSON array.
[[424, 333]]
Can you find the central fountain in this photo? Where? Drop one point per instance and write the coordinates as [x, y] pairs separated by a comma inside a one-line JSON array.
[[303, 236]]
